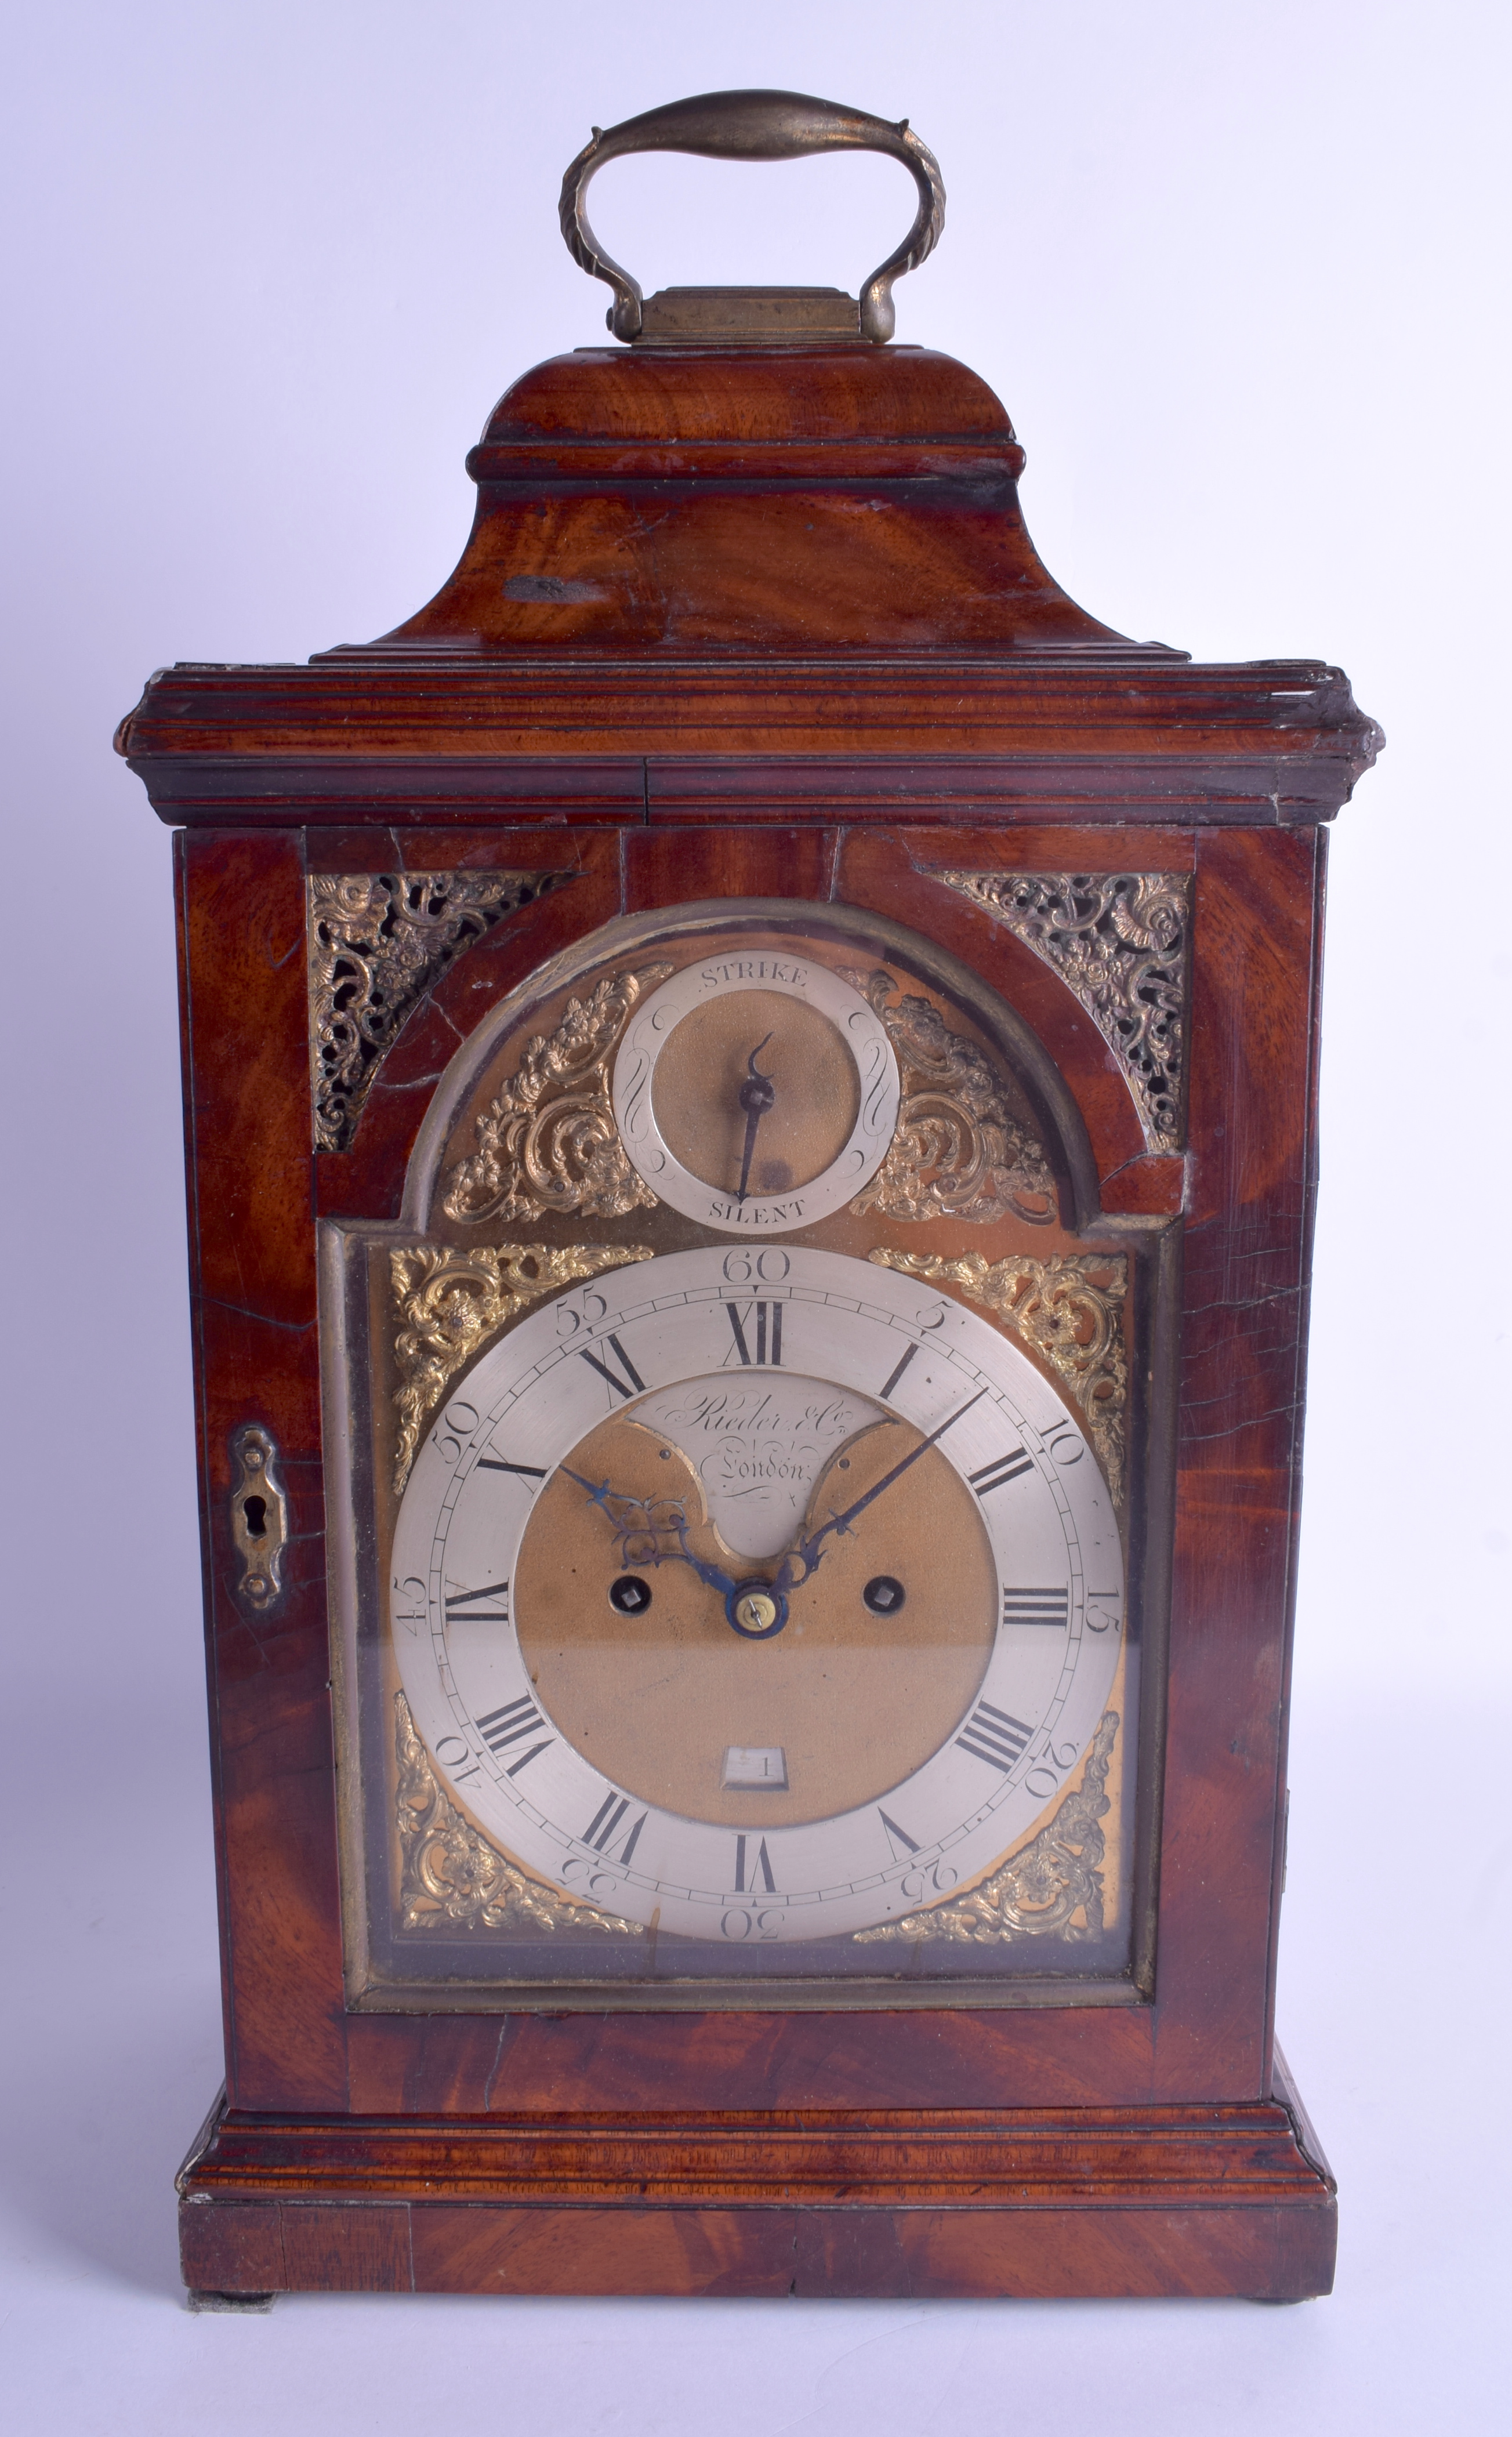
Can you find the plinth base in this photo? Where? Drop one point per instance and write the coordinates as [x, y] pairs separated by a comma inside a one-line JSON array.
[[1217, 2200]]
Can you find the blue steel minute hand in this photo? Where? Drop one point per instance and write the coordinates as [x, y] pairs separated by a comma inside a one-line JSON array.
[[807, 1552]]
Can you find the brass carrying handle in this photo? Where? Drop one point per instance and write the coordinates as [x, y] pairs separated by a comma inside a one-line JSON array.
[[756, 126]]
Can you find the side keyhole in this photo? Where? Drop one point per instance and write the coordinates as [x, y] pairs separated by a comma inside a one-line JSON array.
[[254, 1509]]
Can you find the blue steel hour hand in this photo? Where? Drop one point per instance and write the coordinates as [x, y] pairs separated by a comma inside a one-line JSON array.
[[805, 1554], [642, 1527]]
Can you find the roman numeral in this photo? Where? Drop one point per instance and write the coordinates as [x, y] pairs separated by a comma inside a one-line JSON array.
[[761, 1868], [1037, 1607], [510, 1724], [506, 1726], [637, 1384], [992, 1735], [1003, 1467], [897, 1836], [496, 1463], [463, 1606], [896, 1373], [768, 1318], [605, 1824]]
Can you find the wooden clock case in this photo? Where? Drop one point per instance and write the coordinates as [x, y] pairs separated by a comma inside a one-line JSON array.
[[758, 621]]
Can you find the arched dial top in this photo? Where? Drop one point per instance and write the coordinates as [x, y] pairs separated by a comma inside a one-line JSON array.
[[756, 1592]]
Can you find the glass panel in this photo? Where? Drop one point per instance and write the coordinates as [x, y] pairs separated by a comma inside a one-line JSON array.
[[738, 1618]]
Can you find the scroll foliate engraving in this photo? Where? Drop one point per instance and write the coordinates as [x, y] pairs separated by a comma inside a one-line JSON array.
[[549, 1141], [376, 942], [452, 1877], [1043, 1889], [959, 1151], [1121, 941], [453, 1302], [1069, 1310]]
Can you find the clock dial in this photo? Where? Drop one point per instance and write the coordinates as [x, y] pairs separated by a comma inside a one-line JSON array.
[[756, 1574], [659, 1686], [755, 1094], [756, 1091]]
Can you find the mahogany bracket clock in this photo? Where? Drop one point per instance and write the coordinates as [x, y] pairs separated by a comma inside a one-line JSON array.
[[750, 1099]]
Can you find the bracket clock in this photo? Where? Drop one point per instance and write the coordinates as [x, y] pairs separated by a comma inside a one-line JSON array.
[[750, 1092]]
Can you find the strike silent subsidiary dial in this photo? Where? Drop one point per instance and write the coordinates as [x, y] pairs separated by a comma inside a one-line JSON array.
[[756, 1092]]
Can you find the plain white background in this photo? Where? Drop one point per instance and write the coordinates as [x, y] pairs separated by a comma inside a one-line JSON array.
[[1238, 274]]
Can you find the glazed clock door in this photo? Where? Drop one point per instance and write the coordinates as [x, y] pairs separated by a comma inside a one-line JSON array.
[[740, 1607], [798, 1590]]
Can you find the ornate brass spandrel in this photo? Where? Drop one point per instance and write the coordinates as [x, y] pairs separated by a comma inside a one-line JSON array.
[[548, 1142], [959, 1151], [1121, 941], [1069, 1308], [451, 1302], [1041, 1890], [376, 942], [450, 1877]]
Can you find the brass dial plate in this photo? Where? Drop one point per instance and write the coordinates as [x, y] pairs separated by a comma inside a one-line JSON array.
[[612, 1747], [856, 1701], [705, 1067]]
